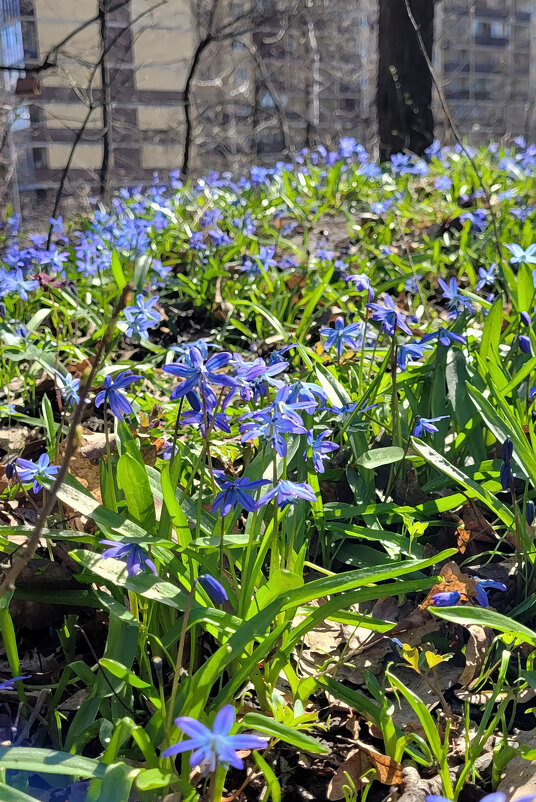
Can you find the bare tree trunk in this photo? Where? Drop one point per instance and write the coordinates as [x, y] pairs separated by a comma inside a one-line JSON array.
[[313, 115], [201, 47], [404, 93], [106, 94]]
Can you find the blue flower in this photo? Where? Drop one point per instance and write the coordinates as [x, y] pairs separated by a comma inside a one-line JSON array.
[[69, 387], [214, 589], [135, 556], [530, 512], [8, 683], [482, 585], [444, 337], [519, 255], [286, 492], [259, 175], [235, 493], [196, 242], [361, 283], [202, 346], [408, 352], [443, 183], [388, 316], [457, 302], [446, 598], [215, 747], [36, 472], [412, 284], [324, 254], [342, 336], [380, 207], [477, 218], [142, 316], [118, 403], [198, 374], [218, 421], [270, 426], [487, 277], [255, 378], [525, 318], [15, 282], [426, 425], [289, 409], [313, 394], [522, 213], [320, 449], [219, 237]]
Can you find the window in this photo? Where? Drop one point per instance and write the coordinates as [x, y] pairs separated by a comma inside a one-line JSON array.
[[241, 75], [266, 100]]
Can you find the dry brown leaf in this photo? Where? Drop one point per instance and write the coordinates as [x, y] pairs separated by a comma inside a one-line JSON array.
[[355, 765], [480, 639], [453, 580], [478, 526], [463, 536], [519, 778], [388, 771]]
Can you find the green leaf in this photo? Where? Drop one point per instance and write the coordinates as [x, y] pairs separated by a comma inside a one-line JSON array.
[[110, 522], [148, 779], [8, 794], [141, 269], [179, 519], [133, 480], [117, 271], [50, 761], [123, 673], [283, 733], [39, 317], [116, 784], [273, 786], [361, 703], [486, 618], [146, 584], [475, 490], [381, 456], [353, 579], [525, 288], [523, 455]]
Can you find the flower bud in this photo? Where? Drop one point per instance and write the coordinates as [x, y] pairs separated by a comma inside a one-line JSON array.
[[525, 318], [507, 449], [530, 512], [213, 588], [524, 344]]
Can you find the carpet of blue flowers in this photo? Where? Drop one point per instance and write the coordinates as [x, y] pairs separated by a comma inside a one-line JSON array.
[[272, 440]]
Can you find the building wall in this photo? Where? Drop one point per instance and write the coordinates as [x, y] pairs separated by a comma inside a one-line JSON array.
[[485, 55], [292, 73]]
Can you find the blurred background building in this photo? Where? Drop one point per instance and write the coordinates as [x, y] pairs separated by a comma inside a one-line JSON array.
[[114, 90]]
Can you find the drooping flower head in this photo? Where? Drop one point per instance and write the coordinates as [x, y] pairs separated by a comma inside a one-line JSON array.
[[286, 492], [132, 552], [426, 425], [320, 448], [116, 400]]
